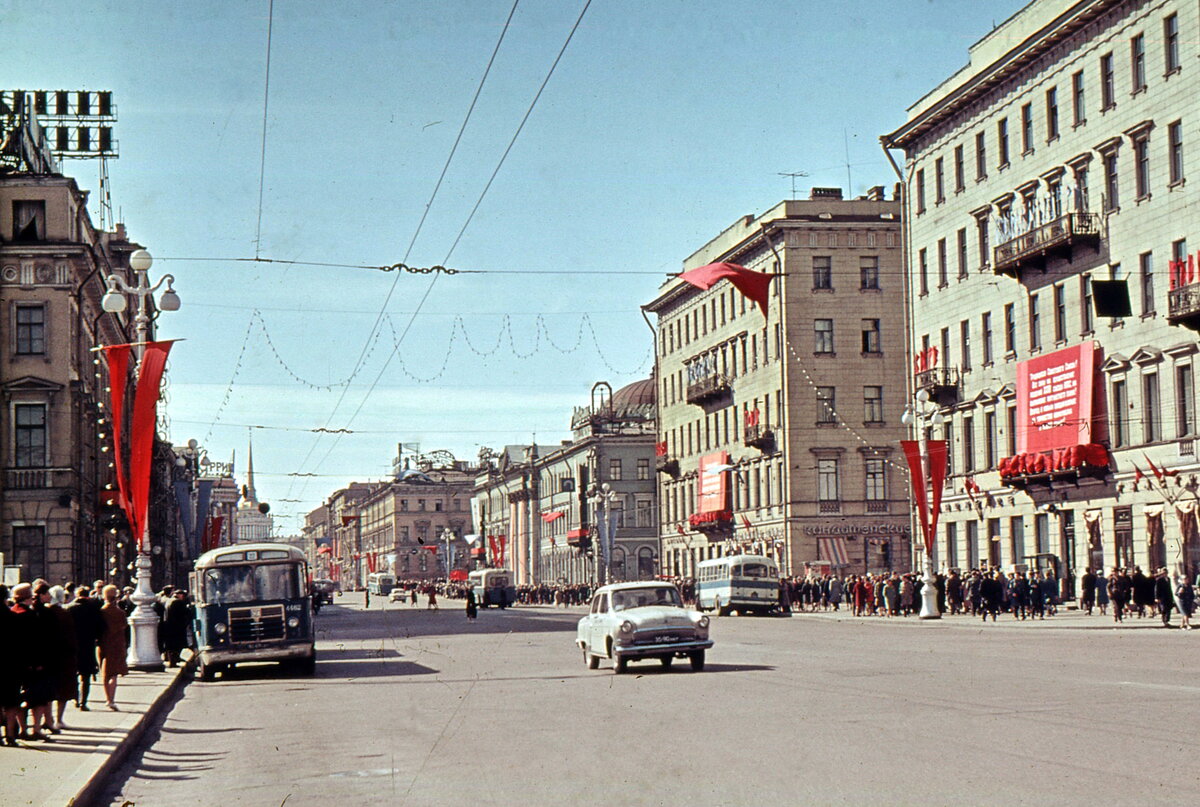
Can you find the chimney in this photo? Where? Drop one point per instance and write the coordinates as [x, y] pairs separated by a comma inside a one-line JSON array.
[[875, 194], [825, 193]]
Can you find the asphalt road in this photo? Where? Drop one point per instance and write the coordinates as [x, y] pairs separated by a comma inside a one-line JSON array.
[[411, 707]]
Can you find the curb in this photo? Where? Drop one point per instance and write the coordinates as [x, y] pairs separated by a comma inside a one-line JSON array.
[[96, 785]]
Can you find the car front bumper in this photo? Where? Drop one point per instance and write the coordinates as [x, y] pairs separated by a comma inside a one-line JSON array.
[[640, 650], [278, 653]]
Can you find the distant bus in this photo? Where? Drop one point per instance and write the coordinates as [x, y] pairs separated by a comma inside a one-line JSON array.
[[493, 587], [742, 583], [380, 583]]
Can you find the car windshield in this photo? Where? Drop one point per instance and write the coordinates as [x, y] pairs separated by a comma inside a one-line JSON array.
[[642, 597], [228, 584]]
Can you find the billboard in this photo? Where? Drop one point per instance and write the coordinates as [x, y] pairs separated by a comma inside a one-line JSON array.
[[713, 483], [1054, 399]]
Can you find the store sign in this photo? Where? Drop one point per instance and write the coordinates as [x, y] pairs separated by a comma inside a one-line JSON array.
[[858, 529], [713, 484], [1054, 399]]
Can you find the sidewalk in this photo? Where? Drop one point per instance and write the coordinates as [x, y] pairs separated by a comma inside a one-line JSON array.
[[71, 770], [1065, 619]]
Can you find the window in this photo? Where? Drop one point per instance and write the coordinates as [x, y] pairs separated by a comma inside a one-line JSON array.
[[31, 330], [962, 253], [1141, 162], [920, 191], [1085, 304], [1016, 535], [989, 440], [943, 277], [981, 235], [980, 156], [1002, 142], [1060, 313], [952, 544], [968, 438], [643, 468], [1175, 151], [939, 181], [1026, 128], [1185, 407], [1035, 323], [1146, 273], [1052, 114], [870, 336], [872, 404], [964, 336], [1011, 426], [923, 265], [1112, 196], [868, 269], [823, 330], [875, 481], [29, 220], [948, 436], [827, 480], [1151, 416], [1171, 44], [826, 405], [29, 550], [1078, 100], [945, 354], [1081, 189], [1108, 90], [30, 425], [986, 333], [614, 468], [1137, 62], [1010, 328], [822, 269], [1117, 417], [960, 178]]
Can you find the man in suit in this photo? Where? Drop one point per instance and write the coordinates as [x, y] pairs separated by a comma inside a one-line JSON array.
[[1087, 597]]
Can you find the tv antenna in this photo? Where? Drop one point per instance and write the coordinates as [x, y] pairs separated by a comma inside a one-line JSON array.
[[793, 175]]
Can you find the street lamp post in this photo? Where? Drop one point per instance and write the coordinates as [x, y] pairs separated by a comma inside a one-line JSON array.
[[922, 415], [602, 498], [143, 650]]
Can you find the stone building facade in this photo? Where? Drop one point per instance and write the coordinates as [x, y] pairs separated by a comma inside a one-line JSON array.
[[778, 434], [1054, 163]]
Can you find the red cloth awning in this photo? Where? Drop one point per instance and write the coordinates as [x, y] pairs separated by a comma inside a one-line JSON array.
[[552, 516], [579, 533], [458, 574]]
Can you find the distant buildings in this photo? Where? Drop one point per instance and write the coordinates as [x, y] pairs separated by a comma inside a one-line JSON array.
[[779, 434]]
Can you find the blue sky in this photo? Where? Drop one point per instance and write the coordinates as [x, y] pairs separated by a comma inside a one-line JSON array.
[[664, 122]]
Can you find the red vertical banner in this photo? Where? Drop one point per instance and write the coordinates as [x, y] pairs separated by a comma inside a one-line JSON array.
[[916, 471], [141, 433], [503, 542], [117, 357], [937, 451]]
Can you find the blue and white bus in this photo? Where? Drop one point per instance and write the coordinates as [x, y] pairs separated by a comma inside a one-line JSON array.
[[493, 587], [742, 583]]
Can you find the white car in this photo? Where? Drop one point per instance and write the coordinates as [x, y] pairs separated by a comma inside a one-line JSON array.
[[398, 593], [630, 621]]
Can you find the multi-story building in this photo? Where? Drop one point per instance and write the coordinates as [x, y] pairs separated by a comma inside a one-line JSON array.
[[550, 513], [345, 532], [1051, 165], [778, 433], [56, 520]]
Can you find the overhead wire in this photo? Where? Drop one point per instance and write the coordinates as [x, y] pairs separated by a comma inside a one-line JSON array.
[[262, 166]]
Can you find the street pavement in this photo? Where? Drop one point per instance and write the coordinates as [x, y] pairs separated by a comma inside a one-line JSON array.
[[413, 707], [73, 766]]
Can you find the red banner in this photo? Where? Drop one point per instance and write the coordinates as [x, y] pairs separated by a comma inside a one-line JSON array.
[[214, 532], [142, 433], [937, 476], [754, 285], [1054, 399], [712, 484], [117, 357]]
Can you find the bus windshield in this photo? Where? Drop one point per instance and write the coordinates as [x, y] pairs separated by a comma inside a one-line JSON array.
[[640, 597], [228, 584]]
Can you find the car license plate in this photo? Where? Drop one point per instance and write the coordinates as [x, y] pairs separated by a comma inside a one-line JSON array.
[[664, 637]]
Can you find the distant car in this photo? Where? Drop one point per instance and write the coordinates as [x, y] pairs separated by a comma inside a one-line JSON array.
[[633, 621], [398, 594]]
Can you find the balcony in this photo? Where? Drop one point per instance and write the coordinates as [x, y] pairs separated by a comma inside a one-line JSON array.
[[712, 521], [941, 383], [759, 436], [1183, 306], [706, 388], [667, 465], [1032, 248], [27, 478]]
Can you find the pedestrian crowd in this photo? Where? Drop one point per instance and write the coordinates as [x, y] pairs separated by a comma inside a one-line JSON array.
[[56, 640]]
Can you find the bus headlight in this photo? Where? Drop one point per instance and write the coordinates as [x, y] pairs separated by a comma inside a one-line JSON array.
[[293, 622], [220, 628]]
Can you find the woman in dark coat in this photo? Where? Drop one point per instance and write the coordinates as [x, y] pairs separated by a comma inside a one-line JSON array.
[[66, 663], [41, 658], [472, 606], [176, 617], [113, 646], [85, 617], [10, 674]]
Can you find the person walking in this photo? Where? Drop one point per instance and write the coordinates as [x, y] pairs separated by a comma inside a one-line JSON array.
[[1087, 594], [176, 617], [41, 660], [113, 645], [472, 606], [1164, 596], [1185, 597], [11, 640], [66, 661], [86, 620], [433, 606], [1101, 592]]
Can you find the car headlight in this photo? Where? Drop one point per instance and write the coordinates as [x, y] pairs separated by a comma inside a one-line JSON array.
[[293, 622], [702, 622], [626, 627], [220, 628]]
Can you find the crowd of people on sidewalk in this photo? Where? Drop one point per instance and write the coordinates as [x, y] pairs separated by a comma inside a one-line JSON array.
[[56, 640]]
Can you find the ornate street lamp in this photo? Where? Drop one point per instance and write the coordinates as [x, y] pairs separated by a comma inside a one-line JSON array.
[[602, 499], [928, 474], [143, 650]]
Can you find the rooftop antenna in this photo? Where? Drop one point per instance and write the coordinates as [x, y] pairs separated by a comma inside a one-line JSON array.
[[849, 181], [793, 175]]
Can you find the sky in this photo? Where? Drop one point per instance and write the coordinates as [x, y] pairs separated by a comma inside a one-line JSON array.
[[662, 123]]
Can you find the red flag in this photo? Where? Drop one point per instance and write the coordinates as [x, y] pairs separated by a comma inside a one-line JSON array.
[[1138, 476], [751, 284], [679, 528], [325, 550], [971, 487], [746, 522], [1154, 469], [117, 357]]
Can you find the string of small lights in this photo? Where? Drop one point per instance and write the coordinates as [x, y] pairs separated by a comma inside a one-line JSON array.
[[237, 368]]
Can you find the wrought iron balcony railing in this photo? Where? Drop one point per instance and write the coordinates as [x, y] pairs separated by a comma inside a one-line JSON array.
[[1183, 306], [707, 387], [1030, 249], [942, 384]]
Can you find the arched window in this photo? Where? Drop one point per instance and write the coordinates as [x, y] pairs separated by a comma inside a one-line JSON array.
[[618, 563], [646, 563]]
